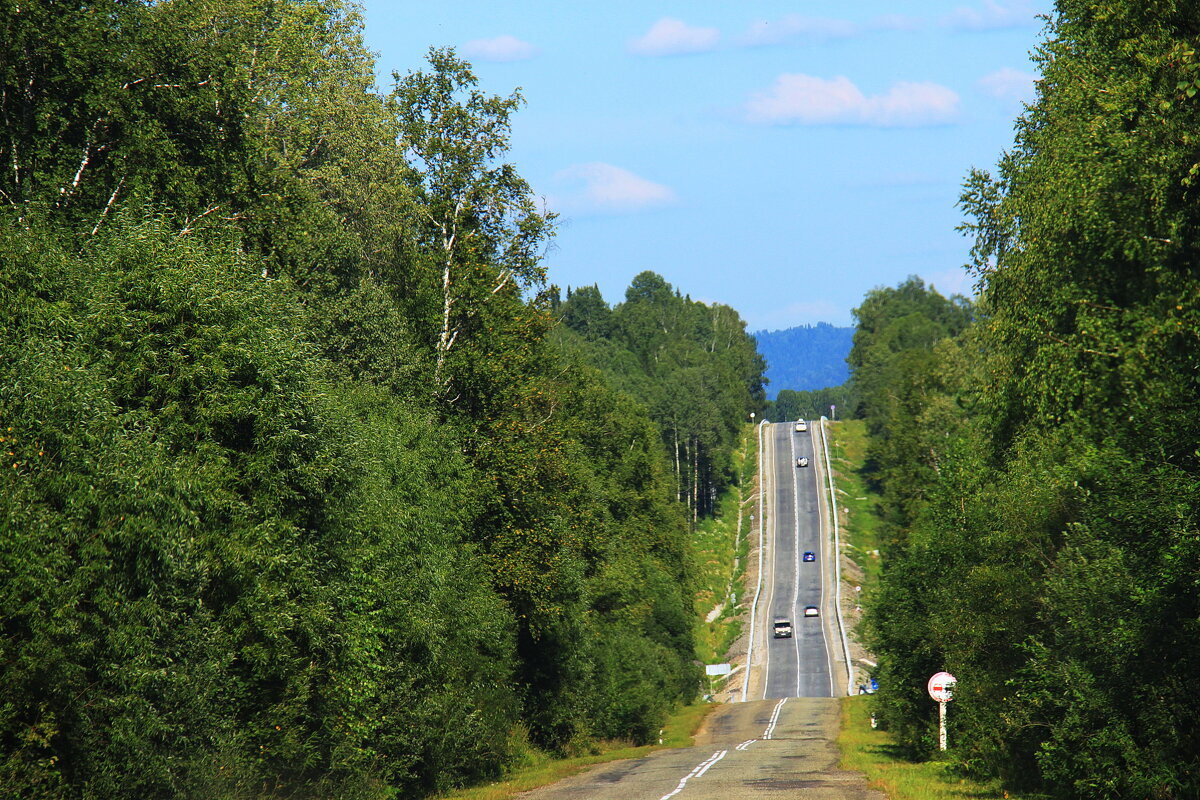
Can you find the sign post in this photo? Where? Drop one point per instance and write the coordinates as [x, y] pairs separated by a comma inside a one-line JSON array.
[[941, 689]]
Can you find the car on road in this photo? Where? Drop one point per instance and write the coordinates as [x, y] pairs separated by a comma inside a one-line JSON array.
[[809, 555], [801, 426], [802, 461], [782, 628], [812, 611]]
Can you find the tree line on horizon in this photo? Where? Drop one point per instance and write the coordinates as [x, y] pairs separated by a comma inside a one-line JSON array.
[[308, 491], [805, 358], [1036, 450], [810, 361], [691, 364]]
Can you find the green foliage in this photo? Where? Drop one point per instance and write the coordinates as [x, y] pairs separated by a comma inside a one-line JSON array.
[[834, 400], [895, 325], [693, 366], [179, 106], [722, 547], [805, 358], [307, 495], [475, 231], [908, 368], [1045, 551], [203, 536]]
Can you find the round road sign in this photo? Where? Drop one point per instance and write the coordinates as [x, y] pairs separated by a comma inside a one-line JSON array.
[[941, 687]]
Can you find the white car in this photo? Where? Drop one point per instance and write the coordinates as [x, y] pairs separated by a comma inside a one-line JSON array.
[[801, 426], [783, 628], [812, 611], [802, 461]]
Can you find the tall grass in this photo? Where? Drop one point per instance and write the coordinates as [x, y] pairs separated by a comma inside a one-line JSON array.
[[871, 752], [848, 452], [721, 546]]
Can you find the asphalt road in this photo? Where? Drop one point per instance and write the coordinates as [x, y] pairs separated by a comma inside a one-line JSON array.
[[799, 666], [764, 748], [781, 746]]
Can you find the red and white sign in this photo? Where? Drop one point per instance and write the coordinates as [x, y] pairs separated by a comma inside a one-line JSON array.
[[941, 687]]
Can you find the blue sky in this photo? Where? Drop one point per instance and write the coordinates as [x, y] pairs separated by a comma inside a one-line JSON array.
[[783, 158]]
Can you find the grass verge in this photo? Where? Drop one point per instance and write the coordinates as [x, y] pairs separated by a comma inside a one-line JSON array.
[[847, 453], [721, 545], [543, 770], [871, 752]]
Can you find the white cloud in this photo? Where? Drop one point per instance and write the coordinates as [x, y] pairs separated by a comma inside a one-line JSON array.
[[1009, 84], [796, 28], [806, 100], [993, 16], [895, 22], [500, 48], [599, 188], [669, 37]]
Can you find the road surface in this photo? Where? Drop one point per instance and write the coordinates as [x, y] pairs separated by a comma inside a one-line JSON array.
[[760, 749], [799, 666], [782, 743]]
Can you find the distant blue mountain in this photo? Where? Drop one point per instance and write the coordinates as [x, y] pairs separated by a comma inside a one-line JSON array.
[[806, 358]]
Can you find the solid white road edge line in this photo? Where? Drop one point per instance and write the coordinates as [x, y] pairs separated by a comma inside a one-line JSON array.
[[773, 510], [758, 589], [837, 573]]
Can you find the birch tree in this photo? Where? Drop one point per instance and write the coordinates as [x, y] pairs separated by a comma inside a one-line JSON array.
[[477, 230]]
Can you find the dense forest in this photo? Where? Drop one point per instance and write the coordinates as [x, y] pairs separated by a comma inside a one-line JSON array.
[[691, 365], [1037, 449], [807, 372], [835, 402], [806, 358], [310, 491]]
